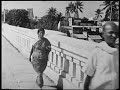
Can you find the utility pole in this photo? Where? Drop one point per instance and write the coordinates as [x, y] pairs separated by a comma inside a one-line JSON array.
[[4, 11], [4, 15], [111, 11]]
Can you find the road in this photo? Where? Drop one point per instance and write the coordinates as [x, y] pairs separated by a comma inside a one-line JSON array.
[[17, 71]]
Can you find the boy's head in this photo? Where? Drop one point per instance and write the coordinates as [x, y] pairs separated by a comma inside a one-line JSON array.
[[110, 32]]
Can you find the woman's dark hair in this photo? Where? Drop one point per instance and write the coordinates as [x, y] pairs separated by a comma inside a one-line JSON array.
[[41, 29]]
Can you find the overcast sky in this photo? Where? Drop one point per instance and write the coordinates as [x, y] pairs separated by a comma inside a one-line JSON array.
[[40, 8]]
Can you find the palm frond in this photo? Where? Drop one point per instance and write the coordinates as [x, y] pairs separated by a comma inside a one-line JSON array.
[[80, 10], [71, 7], [100, 16], [105, 7], [81, 7]]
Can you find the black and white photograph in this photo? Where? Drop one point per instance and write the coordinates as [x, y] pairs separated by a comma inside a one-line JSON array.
[[60, 45]]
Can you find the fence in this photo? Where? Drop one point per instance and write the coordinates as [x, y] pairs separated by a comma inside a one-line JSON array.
[[66, 59]]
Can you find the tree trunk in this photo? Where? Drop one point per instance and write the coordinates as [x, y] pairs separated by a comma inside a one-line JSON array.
[[111, 12], [76, 15], [4, 15], [67, 14]]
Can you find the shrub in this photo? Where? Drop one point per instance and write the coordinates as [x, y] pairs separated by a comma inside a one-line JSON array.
[[17, 17]]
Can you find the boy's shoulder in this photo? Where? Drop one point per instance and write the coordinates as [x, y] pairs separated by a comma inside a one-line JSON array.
[[97, 51]]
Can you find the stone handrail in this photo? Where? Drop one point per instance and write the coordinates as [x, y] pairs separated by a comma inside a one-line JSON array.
[[66, 59]]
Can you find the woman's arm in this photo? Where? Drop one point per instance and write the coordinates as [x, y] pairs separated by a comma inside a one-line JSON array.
[[48, 46], [87, 82], [31, 54]]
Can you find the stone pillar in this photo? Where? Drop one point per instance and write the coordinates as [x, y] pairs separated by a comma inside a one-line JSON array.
[[69, 75], [54, 59], [78, 72], [57, 55], [60, 62], [70, 59], [66, 65], [71, 68], [74, 69]]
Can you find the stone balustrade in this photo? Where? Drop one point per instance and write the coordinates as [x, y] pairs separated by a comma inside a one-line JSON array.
[[66, 59]]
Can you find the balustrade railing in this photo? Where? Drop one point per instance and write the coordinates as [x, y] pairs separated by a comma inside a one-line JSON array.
[[66, 60]]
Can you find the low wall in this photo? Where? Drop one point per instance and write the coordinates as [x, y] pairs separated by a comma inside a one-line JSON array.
[[66, 59]]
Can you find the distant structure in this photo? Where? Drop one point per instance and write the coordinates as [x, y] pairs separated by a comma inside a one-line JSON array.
[[91, 18], [5, 12], [36, 18], [84, 29], [30, 13]]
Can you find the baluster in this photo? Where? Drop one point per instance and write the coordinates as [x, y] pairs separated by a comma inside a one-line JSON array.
[[66, 64], [54, 58], [59, 61]]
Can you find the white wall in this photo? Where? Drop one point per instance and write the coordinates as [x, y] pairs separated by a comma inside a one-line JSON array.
[[66, 59]]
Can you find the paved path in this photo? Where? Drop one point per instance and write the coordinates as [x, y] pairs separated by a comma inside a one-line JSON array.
[[17, 72]]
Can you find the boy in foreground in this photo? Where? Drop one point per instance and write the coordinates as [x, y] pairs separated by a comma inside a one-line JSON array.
[[102, 68]]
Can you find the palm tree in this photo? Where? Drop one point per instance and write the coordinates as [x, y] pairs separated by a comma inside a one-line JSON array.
[[117, 12], [59, 16], [67, 12], [111, 8], [75, 7], [52, 13], [79, 6], [98, 14]]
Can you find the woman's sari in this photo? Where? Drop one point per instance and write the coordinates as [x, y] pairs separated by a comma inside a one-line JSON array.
[[40, 53]]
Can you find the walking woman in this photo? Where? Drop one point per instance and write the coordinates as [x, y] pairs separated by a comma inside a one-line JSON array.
[[39, 52]]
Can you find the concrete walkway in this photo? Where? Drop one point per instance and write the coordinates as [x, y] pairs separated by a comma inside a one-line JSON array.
[[17, 72]]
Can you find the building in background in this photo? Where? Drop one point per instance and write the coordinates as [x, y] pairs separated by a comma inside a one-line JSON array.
[[6, 11], [30, 13], [4, 14], [36, 18]]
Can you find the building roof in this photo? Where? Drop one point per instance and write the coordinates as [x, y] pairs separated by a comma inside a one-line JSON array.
[[94, 36], [80, 36]]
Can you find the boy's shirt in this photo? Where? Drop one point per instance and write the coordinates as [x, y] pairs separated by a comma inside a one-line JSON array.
[[103, 66]]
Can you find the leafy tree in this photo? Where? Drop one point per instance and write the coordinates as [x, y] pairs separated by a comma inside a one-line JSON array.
[[17, 17], [45, 22], [64, 22], [52, 12], [111, 8], [51, 20], [36, 18], [32, 24], [59, 17], [75, 7]]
